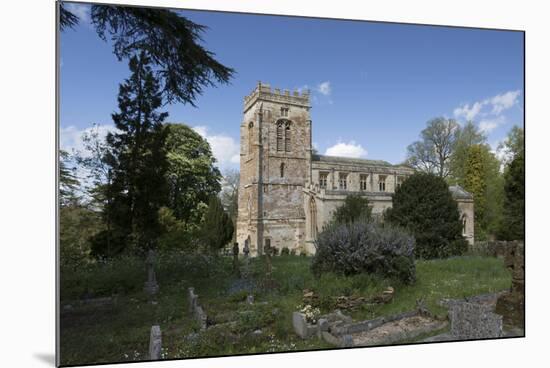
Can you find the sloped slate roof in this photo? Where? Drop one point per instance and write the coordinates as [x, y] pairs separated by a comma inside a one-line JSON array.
[[358, 161], [458, 192]]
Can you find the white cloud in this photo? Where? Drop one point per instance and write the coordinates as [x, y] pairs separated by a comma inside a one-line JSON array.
[[504, 101], [350, 149], [225, 149], [70, 138], [493, 106], [467, 111], [82, 11], [487, 126], [324, 88]]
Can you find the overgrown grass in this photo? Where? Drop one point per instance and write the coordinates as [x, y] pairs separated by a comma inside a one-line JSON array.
[[121, 333]]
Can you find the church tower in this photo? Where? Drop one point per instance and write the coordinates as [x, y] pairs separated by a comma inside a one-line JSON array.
[[275, 165]]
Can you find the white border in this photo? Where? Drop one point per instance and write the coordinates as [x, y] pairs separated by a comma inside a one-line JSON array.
[[27, 187]]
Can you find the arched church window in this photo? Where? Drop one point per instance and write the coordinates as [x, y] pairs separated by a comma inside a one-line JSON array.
[[464, 218], [282, 169], [250, 136]]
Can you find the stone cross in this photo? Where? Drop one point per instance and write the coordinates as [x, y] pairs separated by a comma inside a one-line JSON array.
[[151, 287], [155, 343]]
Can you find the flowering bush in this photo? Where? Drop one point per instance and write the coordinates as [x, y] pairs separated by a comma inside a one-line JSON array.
[[365, 247], [311, 313]]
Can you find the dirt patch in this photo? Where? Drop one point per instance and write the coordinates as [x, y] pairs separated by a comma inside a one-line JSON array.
[[403, 329]]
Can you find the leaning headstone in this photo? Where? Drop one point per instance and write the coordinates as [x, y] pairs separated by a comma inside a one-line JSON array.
[[474, 321], [200, 315], [155, 343], [250, 299], [192, 298], [151, 287]]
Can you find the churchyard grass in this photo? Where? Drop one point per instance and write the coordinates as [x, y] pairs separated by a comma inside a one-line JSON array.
[[120, 332]]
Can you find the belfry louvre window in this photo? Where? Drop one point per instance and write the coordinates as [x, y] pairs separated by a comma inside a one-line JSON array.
[[363, 181], [382, 183], [280, 136], [323, 180], [287, 136], [343, 181], [284, 136]]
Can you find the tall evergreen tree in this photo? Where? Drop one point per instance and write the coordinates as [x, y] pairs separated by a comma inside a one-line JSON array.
[[217, 229], [138, 161], [68, 182], [425, 207], [513, 224]]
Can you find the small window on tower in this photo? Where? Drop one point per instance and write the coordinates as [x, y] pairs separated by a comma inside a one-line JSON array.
[[282, 170], [284, 111]]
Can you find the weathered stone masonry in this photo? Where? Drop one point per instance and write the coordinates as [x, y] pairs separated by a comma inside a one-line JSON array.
[[286, 193]]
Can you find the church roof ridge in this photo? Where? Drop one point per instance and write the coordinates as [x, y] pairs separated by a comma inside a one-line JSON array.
[[326, 158]]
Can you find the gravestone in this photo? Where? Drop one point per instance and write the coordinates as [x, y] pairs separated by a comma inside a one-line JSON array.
[[192, 298], [155, 343], [474, 321], [151, 287], [246, 251], [236, 258]]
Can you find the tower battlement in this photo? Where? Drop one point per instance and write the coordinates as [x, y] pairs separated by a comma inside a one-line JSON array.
[[264, 92]]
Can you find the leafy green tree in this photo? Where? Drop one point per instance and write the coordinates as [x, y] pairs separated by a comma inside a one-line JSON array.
[[432, 153], [77, 225], [475, 183], [513, 145], [68, 182], [467, 136], [182, 66], [217, 229], [229, 195], [138, 161], [425, 207], [192, 175], [93, 160], [513, 222], [355, 208]]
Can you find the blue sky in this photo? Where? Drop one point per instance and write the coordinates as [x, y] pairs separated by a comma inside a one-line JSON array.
[[374, 86]]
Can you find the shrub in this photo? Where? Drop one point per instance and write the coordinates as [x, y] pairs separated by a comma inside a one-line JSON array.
[[293, 252], [355, 208], [365, 247], [285, 251], [425, 207]]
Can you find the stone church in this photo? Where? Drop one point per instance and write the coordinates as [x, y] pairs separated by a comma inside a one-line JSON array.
[[287, 192]]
